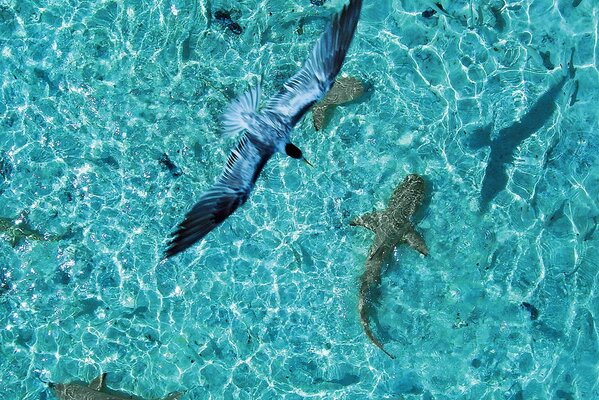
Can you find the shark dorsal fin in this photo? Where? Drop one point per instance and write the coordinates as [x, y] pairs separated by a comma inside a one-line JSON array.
[[407, 197], [370, 220], [98, 383], [15, 241], [22, 217], [174, 396]]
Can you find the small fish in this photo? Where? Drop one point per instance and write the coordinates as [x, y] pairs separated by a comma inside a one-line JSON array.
[[224, 18], [96, 390], [170, 165], [534, 312], [392, 227], [428, 13]]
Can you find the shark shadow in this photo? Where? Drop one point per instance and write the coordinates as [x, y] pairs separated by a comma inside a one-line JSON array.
[[96, 390], [392, 226], [508, 139]]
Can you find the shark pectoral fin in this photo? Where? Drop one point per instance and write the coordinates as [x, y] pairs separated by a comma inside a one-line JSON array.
[[15, 241], [377, 254], [416, 242], [98, 383], [369, 220]]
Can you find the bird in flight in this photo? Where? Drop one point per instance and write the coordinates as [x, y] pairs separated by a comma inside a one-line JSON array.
[[266, 131]]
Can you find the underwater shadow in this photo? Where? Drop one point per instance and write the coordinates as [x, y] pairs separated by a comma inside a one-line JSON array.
[[508, 139]]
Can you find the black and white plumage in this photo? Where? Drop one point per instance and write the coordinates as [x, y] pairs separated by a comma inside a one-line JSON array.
[[266, 131]]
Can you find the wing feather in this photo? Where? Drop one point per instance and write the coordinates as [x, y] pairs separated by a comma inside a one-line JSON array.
[[247, 160], [318, 73], [229, 192]]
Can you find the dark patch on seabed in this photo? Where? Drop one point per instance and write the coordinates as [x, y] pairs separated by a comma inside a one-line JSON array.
[[508, 139], [170, 165], [534, 312], [224, 18]]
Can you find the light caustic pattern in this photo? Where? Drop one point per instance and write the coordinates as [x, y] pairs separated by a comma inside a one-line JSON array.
[[95, 94]]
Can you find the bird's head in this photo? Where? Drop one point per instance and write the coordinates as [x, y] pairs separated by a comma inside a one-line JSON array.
[[294, 152]]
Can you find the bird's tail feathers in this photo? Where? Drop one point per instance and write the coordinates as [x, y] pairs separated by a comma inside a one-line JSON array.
[[240, 113]]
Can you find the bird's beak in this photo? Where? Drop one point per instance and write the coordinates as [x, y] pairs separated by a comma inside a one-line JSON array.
[[307, 162]]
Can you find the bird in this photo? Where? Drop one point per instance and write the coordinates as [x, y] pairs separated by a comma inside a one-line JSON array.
[[266, 131]]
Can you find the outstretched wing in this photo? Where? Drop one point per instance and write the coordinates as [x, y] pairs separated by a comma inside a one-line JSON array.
[[318, 73], [229, 192]]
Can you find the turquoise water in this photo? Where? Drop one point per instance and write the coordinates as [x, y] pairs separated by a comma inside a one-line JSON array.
[[94, 93]]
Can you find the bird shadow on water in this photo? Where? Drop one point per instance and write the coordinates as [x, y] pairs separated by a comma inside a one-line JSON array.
[[506, 141]]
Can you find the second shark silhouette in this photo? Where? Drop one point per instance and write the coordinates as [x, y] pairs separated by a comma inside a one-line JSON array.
[[391, 226], [345, 90], [18, 229], [96, 390]]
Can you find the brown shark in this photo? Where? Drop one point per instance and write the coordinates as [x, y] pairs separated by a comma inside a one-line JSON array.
[[17, 229], [392, 227], [96, 390], [344, 90]]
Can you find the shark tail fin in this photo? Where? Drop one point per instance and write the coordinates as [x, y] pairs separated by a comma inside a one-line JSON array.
[[98, 383], [369, 221], [368, 331], [376, 342], [241, 111]]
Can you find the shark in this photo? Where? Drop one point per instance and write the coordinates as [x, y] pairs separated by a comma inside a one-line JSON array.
[[17, 229], [391, 226], [96, 390], [345, 90]]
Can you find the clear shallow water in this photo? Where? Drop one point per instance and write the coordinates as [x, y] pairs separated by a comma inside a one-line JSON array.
[[93, 95]]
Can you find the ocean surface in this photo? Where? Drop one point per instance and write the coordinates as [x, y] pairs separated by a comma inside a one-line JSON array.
[[110, 130]]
